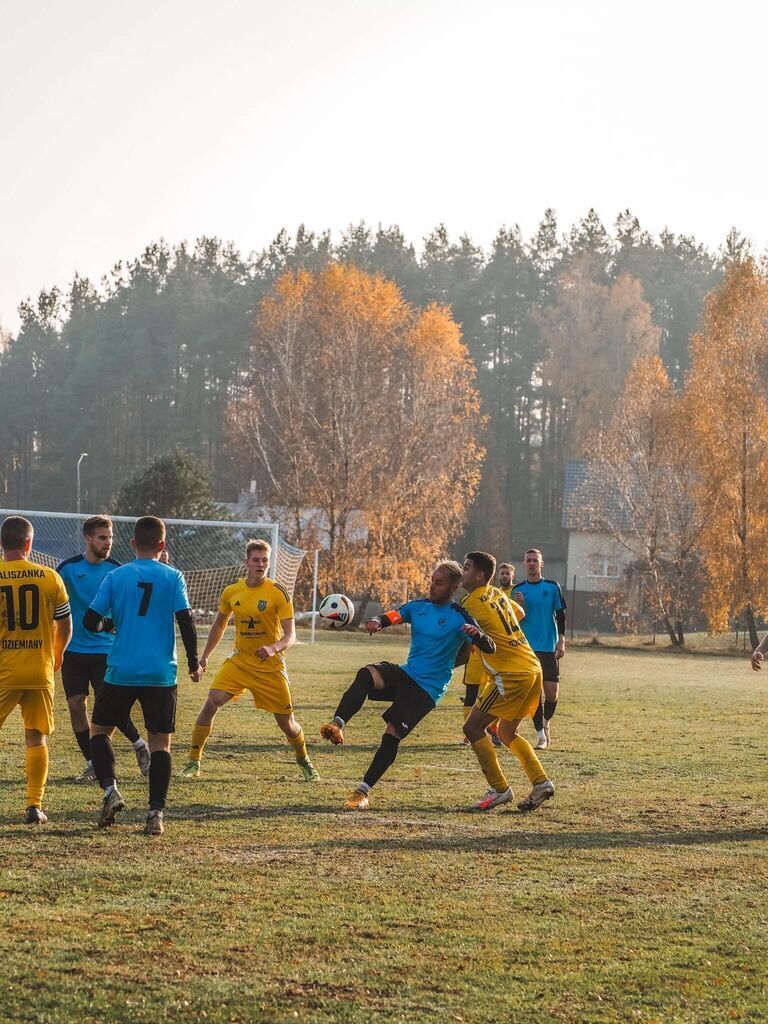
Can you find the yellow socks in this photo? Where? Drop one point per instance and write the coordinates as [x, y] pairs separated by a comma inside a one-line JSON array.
[[530, 764], [37, 774], [299, 746], [200, 734], [489, 762]]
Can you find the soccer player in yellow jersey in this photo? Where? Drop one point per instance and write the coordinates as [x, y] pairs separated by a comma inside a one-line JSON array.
[[475, 674], [35, 628], [511, 692], [264, 630]]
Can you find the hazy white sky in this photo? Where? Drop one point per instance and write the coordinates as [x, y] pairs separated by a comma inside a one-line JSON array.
[[120, 123]]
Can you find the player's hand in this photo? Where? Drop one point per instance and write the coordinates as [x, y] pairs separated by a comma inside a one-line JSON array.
[[57, 661], [266, 652], [372, 626], [197, 675], [471, 630], [560, 650], [757, 660]]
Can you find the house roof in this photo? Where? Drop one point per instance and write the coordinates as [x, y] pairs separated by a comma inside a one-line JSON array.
[[590, 503]]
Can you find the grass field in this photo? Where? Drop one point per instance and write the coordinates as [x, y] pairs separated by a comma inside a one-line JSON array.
[[637, 894]]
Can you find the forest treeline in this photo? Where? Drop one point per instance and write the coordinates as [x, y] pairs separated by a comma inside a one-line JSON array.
[[150, 357]]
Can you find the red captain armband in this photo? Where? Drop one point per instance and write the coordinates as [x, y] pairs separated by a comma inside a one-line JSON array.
[[390, 618]]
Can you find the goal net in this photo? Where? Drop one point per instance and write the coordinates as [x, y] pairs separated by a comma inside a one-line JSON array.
[[210, 553]]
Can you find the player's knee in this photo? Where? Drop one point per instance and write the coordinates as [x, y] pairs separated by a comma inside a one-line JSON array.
[[289, 725], [77, 702], [507, 732], [472, 730], [35, 738], [370, 677], [391, 740]]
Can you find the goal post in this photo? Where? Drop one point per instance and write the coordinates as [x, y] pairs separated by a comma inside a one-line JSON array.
[[209, 552]]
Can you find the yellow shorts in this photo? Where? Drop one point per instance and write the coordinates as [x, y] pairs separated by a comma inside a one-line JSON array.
[[36, 708], [270, 690], [513, 697]]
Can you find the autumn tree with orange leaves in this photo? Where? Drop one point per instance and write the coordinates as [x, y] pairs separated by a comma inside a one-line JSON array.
[[643, 470], [727, 397], [360, 416]]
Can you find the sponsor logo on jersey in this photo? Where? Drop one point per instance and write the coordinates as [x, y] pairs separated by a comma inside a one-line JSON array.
[[262, 606]]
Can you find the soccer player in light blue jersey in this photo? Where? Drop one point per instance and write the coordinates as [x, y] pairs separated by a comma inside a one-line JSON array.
[[439, 631], [85, 660], [144, 599], [544, 628]]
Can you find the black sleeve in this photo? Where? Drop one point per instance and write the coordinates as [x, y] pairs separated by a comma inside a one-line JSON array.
[[560, 620], [484, 643], [188, 637], [462, 655], [94, 622]]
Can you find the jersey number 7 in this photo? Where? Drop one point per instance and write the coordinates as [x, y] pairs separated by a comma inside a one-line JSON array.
[[145, 597]]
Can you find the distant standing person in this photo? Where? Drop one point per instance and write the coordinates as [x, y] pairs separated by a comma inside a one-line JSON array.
[[35, 627], [143, 598], [544, 628], [507, 578], [85, 660]]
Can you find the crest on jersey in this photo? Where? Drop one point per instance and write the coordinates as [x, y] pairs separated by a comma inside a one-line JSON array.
[[262, 606]]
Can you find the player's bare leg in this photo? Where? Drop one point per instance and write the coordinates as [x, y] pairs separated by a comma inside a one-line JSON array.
[[295, 736], [201, 730]]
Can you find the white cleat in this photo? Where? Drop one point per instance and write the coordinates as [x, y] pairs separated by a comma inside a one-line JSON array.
[[492, 798], [541, 740], [144, 757], [541, 791], [88, 774]]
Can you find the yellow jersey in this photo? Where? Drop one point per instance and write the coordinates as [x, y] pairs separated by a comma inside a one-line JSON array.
[[31, 598], [258, 613], [496, 616]]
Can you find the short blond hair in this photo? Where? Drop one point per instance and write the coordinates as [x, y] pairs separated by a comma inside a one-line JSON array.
[[452, 567], [506, 565], [257, 545]]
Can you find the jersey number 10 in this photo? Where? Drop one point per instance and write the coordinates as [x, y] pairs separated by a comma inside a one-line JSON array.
[[28, 611]]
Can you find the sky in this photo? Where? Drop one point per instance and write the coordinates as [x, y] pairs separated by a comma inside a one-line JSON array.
[[122, 123]]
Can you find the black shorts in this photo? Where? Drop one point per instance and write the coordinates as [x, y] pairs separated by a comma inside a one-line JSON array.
[[550, 666], [409, 702], [113, 704], [78, 671]]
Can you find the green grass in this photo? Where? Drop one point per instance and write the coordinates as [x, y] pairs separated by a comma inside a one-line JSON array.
[[637, 894]]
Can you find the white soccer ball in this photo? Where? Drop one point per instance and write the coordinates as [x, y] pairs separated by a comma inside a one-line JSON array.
[[337, 610]]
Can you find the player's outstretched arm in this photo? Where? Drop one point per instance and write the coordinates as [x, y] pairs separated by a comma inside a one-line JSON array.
[[380, 622], [480, 639]]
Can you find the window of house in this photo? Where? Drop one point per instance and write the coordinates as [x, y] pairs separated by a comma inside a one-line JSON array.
[[603, 569]]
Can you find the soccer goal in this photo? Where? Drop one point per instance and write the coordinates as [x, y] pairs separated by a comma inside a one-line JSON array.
[[210, 553]]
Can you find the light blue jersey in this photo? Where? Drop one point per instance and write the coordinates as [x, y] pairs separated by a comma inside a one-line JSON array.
[[540, 600], [142, 598], [82, 580], [436, 637]]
